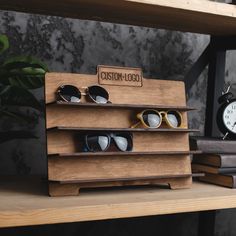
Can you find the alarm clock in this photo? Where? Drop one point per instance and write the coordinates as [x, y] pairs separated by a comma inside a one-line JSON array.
[[226, 115]]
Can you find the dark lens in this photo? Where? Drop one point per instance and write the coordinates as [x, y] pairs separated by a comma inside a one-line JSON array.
[[98, 94], [151, 118], [69, 93], [97, 143], [123, 142], [174, 118]]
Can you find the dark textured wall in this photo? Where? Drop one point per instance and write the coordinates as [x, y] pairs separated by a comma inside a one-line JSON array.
[[68, 45], [79, 46]]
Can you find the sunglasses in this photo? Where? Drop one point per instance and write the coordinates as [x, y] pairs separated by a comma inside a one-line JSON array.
[[70, 93], [153, 119], [101, 142]]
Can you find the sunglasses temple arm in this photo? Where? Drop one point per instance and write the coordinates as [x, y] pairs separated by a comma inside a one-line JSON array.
[[135, 125]]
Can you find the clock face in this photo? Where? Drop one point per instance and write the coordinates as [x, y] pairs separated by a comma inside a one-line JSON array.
[[229, 117]]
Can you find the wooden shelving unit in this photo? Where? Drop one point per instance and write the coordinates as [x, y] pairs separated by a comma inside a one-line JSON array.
[[198, 16], [25, 203]]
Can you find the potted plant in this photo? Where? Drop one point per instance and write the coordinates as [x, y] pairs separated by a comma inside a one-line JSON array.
[[18, 75]]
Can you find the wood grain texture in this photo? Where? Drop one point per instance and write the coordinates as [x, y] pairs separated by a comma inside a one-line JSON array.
[[73, 189], [97, 168], [89, 129], [165, 93], [120, 76], [121, 154], [95, 117], [69, 142], [113, 167], [24, 202], [198, 16], [122, 181], [127, 106]]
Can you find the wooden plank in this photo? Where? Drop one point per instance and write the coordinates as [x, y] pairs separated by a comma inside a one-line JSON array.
[[127, 106], [89, 129], [114, 167], [166, 93], [25, 203], [128, 181], [96, 117], [69, 142], [92, 154], [198, 16], [72, 188]]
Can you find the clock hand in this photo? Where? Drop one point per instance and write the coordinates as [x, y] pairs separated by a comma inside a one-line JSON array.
[[234, 125]]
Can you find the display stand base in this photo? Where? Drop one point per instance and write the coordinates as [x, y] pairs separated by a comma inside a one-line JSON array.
[[73, 189]]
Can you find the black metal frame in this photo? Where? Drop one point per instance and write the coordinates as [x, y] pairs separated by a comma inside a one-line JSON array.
[[215, 57]]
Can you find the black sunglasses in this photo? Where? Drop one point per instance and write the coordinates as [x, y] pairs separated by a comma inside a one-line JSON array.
[[70, 93], [101, 142]]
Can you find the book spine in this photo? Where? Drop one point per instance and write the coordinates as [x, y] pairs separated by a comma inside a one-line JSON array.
[[226, 170], [233, 181], [223, 147], [228, 161]]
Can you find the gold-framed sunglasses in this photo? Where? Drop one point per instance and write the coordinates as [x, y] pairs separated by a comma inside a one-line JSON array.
[[153, 119], [70, 93]]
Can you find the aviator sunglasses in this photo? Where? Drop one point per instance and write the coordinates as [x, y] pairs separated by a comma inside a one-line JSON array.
[[153, 118], [102, 142], [70, 93]]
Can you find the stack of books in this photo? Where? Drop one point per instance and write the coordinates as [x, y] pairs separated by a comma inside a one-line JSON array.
[[217, 161]]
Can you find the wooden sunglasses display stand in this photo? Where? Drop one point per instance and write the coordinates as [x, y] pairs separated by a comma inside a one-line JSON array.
[[159, 156]]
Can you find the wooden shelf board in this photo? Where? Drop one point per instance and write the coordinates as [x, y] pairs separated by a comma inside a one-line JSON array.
[[25, 203], [79, 181], [124, 106], [198, 16], [91, 154], [63, 128]]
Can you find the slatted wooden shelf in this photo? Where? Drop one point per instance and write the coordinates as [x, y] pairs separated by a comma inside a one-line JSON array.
[[25, 202], [198, 16], [126, 106], [91, 154], [120, 130]]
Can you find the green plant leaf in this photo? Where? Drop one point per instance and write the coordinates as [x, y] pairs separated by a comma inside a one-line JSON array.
[[22, 62], [24, 81], [17, 96], [4, 43], [23, 71], [10, 135]]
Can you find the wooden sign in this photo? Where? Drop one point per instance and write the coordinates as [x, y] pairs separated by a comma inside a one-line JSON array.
[[121, 76]]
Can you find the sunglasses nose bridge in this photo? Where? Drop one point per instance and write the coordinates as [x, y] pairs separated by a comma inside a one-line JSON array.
[[84, 90], [139, 115], [162, 113]]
